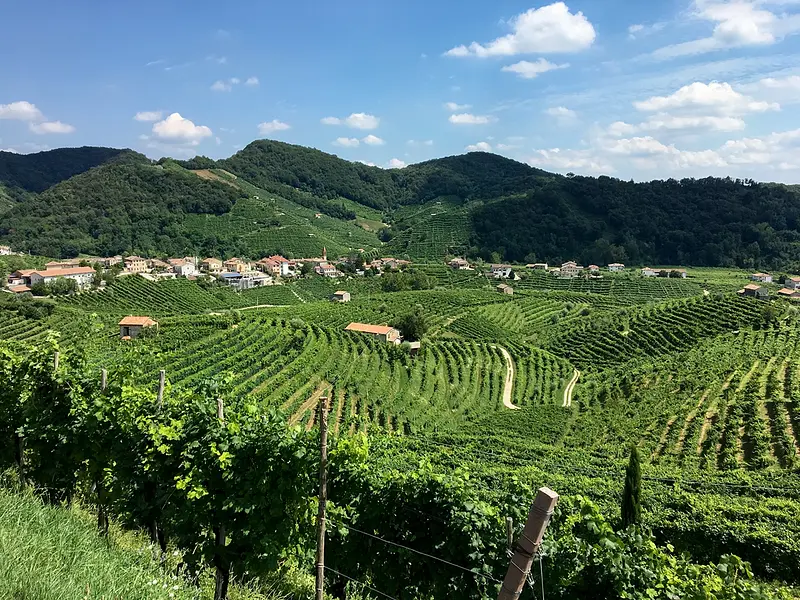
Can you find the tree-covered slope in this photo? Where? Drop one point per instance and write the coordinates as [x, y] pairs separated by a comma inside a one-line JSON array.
[[37, 172]]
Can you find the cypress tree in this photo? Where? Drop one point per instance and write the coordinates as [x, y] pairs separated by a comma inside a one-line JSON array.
[[631, 497]]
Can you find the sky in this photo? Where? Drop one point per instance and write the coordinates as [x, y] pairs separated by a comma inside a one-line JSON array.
[[625, 88]]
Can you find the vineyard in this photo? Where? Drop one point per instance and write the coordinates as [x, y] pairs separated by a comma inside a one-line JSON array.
[[706, 385]]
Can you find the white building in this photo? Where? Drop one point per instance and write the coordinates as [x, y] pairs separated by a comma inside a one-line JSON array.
[[648, 272], [83, 276], [181, 267], [792, 283], [501, 271], [761, 277], [616, 267], [326, 270], [5, 251], [570, 269]]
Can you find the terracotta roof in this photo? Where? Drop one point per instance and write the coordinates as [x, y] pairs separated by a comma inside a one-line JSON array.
[[794, 278], [137, 321], [752, 286], [279, 258], [787, 292], [19, 289], [133, 258], [25, 272], [365, 328], [65, 271], [761, 275], [211, 260], [616, 265], [339, 293]]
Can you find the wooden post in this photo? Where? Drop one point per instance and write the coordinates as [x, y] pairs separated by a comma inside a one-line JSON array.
[[220, 410], [162, 377], [56, 358], [528, 544], [510, 532], [103, 380], [323, 495], [221, 561]]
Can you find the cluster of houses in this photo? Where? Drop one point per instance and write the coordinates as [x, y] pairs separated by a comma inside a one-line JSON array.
[[21, 281], [7, 251], [567, 270], [789, 291]]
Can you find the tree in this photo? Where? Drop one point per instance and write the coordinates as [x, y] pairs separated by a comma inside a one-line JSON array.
[[631, 496], [413, 326], [307, 268]]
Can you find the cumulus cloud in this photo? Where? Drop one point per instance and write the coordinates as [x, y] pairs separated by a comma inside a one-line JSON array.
[[221, 86], [396, 163], [569, 160], [272, 126], [346, 142], [469, 119], [175, 128], [561, 112], [20, 111], [737, 23], [46, 127], [455, 107], [354, 121], [373, 140], [479, 147], [621, 128], [252, 81], [715, 96], [530, 70], [148, 115], [551, 28]]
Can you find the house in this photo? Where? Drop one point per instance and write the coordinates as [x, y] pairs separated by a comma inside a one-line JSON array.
[[793, 283], [340, 296], [181, 267], [459, 264], [570, 269], [326, 270], [236, 265], [21, 277], [414, 348], [157, 264], [754, 291], [761, 277], [131, 327], [537, 266], [267, 265], [211, 265], [62, 264], [83, 276], [110, 261], [505, 289], [284, 269], [616, 267], [789, 293], [648, 272], [594, 269], [384, 333], [5, 251], [501, 271], [231, 279], [135, 264], [19, 289]]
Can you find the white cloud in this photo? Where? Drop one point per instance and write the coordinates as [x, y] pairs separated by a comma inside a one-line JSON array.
[[178, 129], [220, 60], [469, 119], [710, 122], [639, 30], [621, 129], [561, 112], [355, 121], [569, 160], [738, 23], [346, 142], [252, 81], [235, 81], [221, 86], [547, 29], [396, 163], [786, 83], [420, 142], [148, 115], [717, 97], [455, 107], [272, 126], [50, 127], [530, 70], [20, 111], [373, 140], [479, 147]]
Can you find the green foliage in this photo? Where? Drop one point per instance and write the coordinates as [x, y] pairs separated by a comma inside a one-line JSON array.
[[412, 326], [632, 494]]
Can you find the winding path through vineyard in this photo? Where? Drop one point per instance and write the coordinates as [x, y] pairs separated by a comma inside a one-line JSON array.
[[509, 383], [570, 388]]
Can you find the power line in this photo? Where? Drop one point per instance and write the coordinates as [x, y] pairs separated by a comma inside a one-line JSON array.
[[370, 588], [430, 556]]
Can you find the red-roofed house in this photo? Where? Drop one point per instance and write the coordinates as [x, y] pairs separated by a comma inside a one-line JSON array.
[[130, 327], [83, 276], [382, 332], [19, 289]]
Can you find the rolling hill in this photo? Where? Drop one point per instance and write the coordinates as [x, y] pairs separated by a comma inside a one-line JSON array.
[[277, 197]]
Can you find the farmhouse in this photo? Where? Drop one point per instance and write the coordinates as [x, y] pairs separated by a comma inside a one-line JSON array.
[[616, 267], [20, 277], [5, 251], [62, 264], [501, 271], [570, 269], [505, 289], [109, 261], [537, 266], [754, 291], [135, 264], [340, 296], [211, 265], [761, 277], [594, 269], [158, 265], [19, 289], [792, 283], [182, 267], [459, 264], [131, 327], [789, 293], [236, 265], [648, 272], [83, 276], [326, 270], [382, 332]]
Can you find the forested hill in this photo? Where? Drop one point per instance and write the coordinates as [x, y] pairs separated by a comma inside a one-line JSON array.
[[481, 204]]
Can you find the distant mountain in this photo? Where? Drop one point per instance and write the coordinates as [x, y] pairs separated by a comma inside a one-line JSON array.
[[272, 197]]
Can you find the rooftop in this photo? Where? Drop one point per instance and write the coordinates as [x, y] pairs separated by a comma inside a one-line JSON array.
[[365, 328], [65, 271], [137, 321]]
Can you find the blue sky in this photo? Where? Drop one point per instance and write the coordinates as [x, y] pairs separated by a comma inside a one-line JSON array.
[[625, 88]]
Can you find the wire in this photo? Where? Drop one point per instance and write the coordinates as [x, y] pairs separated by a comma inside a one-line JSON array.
[[430, 556], [370, 588]]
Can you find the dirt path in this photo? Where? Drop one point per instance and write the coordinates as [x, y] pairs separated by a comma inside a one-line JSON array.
[[570, 388], [298, 296], [509, 383]]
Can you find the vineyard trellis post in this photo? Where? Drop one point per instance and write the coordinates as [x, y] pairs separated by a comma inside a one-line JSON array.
[[56, 358], [528, 545], [162, 376], [323, 495], [103, 380], [510, 533], [221, 562]]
